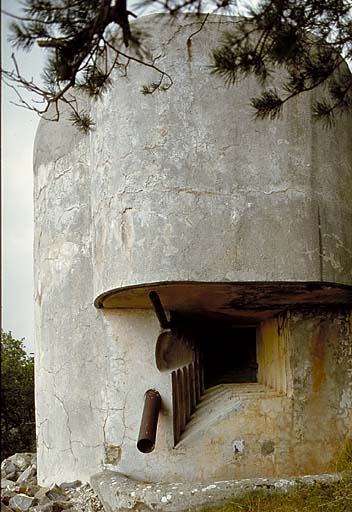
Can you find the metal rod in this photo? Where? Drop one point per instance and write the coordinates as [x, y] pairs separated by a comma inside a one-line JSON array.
[[159, 310], [175, 408], [149, 422]]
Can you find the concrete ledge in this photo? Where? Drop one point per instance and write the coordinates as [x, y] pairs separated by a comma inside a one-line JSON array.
[[227, 297], [118, 492]]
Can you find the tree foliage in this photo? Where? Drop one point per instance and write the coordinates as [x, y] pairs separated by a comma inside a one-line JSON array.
[[17, 397], [86, 40], [308, 38]]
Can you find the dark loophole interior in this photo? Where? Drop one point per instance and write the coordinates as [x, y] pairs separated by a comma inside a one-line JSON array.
[[229, 355]]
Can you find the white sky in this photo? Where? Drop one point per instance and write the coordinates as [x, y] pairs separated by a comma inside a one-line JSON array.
[[17, 134]]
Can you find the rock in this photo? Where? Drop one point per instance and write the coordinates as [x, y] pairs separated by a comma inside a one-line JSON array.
[[22, 489], [12, 476], [6, 495], [21, 460], [25, 495], [49, 507], [7, 484], [41, 492], [46, 495], [56, 493], [84, 499], [30, 490], [40, 496], [10, 467], [20, 502], [71, 485], [62, 505], [5, 508], [55, 506], [33, 488], [26, 474]]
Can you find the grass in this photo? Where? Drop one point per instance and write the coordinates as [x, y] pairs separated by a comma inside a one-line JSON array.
[[320, 497], [344, 459]]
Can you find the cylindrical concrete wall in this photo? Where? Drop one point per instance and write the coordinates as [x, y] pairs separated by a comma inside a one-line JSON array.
[[187, 187], [181, 185]]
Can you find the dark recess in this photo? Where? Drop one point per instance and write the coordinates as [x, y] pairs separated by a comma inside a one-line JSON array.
[[229, 355]]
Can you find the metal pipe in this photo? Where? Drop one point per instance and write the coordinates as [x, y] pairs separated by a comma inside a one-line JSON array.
[[159, 310], [149, 422]]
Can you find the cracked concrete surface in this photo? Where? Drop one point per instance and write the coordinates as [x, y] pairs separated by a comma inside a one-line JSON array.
[[195, 162], [176, 186]]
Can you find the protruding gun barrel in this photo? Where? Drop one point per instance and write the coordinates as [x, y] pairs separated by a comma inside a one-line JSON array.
[[159, 310], [149, 423]]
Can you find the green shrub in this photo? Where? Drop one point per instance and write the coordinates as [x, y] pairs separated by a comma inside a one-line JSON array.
[[17, 397]]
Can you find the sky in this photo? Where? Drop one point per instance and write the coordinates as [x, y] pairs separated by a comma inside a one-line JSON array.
[[17, 137]]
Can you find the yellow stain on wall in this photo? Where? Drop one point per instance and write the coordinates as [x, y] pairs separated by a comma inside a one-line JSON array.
[[272, 354]]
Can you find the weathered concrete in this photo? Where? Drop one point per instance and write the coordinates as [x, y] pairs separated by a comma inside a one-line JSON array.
[[179, 187], [68, 380], [276, 196], [119, 493]]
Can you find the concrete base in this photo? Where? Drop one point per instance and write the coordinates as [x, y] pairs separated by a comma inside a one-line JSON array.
[[118, 492]]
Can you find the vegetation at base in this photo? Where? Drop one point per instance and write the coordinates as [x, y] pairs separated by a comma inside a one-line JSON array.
[[327, 497], [343, 460], [320, 497], [17, 397]]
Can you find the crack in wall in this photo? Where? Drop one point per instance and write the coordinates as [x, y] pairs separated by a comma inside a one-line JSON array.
[[68, 425], [180, 190], [61, 174]]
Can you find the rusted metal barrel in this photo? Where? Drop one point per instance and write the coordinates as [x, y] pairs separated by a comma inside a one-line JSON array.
[[159, 310], [149, 422]]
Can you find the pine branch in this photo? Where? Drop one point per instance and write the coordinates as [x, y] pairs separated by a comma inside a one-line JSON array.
[[268, 105], [280, 36], [305, 37]]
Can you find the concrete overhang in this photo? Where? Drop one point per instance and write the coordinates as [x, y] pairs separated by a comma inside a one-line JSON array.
[[251, 300]]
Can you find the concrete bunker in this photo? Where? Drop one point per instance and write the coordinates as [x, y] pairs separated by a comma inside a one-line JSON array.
[[237, 227]]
